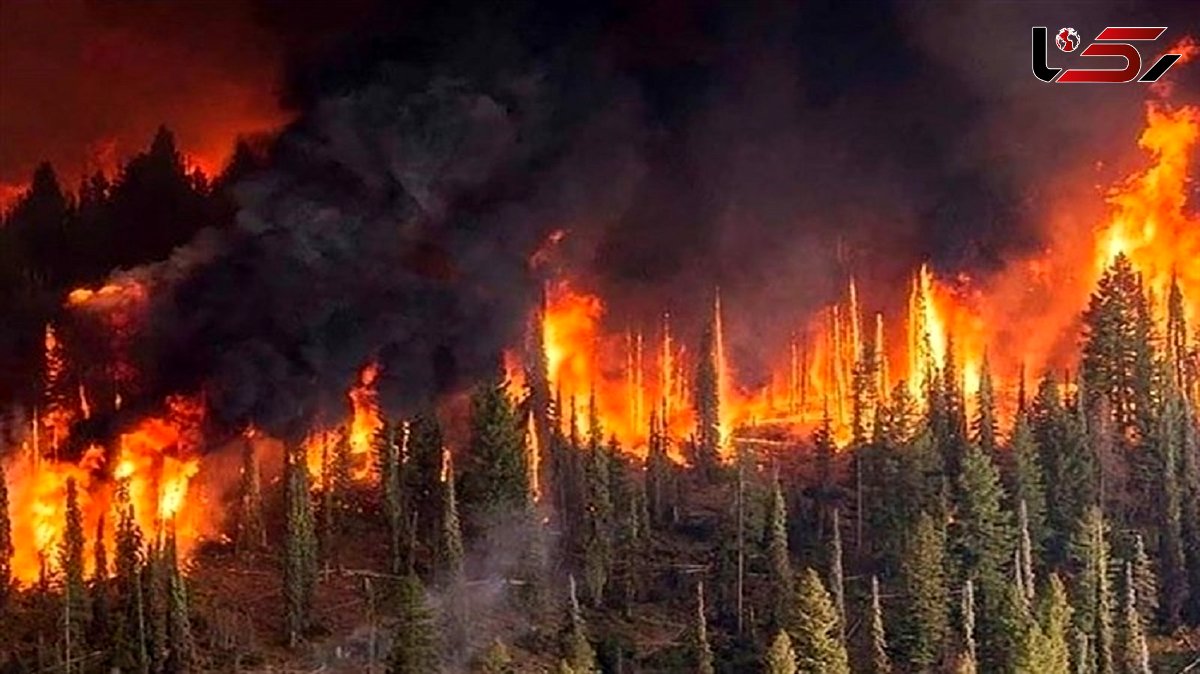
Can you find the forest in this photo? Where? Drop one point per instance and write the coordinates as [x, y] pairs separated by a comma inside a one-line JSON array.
[[941, 538]]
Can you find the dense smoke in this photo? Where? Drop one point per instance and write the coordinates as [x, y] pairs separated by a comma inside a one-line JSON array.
[[769, 151]]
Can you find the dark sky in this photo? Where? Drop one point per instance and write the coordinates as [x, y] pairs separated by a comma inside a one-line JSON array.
[[767, 148]]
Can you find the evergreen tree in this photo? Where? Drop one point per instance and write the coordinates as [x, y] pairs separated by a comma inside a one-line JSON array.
[[450, 548], [984, 427], [251, 531], [495, 660], [578, 654], [71, 562], [1189, 472], [836, 574], [779, 563], [494, 480], [924, 616], [1066, 459], [981, 541], [422, 485], [878, 661], [1144, 580], [780, 658], [129, 642], [100, 629], [814, 629], [414, 643], [707, 403], [1170, 442], [1093, 596], [1046, 648], [387, 451], [702, 654], [300, 556], [1028, 490], [968, 659], [825, 492], [1025, 572], [6, 542], [1134, 654], [658, 470], [182, 649], [157, 604]]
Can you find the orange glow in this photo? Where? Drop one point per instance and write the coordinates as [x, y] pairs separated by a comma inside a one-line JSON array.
[[366, 422], [157, 458]]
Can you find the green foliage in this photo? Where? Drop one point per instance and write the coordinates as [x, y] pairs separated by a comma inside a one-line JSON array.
[[129, 639], [779, 564], [877, 661], [1092, 592], [414, 642], [495, 660], [579, 657], [924, 616], [780, 658], [1027, 487], [1046, 648], [181, 648], [494, 480], [421, 473], [814, 629], [984, 427], [1134, 655]]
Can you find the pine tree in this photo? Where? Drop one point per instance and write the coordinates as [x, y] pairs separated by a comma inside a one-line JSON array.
[[878, 661], [450, 548], [129, 642], [578, 654], [1066, 459], [421, 481], [702, 654], [780, 658], [74, 590], [494, 480], [814, 629], [1132, 649], [1046, 648], [779, 563], [414, 643], [924, 612], [984, 427], [658, 469], [181, 655], [495, 660], [1093, 596], [6, 542], [1189, 473], [825, 492], [1028, 490], [1144, 580], [981, 541], [157, 604], [100, 629], [836, 574], [300, 544], [968, 658], [387, 451], [707, 404], [251, 531], [1170, 441]]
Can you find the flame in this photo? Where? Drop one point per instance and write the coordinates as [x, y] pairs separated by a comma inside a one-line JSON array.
[[366, 421], [158, 458]]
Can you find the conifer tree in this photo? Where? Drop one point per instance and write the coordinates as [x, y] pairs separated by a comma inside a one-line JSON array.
[[779, 563], [450, 548], [578, 654], [1045, 648], [1093, 596], [825, 492], [1028, 490], [1144, 580], [421, 474], [702, 654], [387, 450], [300, 544], [181, 654], [922, 576], [1170, 441], [494, 480], [71, 562], [658, 469], [836, 574], [1189, 472], [414, 643], [984, 427], [129, 642], [968, 657], [496, 660], [6, 542], [157, 603], [878, 661], [707, 403], [100, 629], [814, 629], [1025, 572], [780, 658], [1131, 647], [982, 539], [251, 531]]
